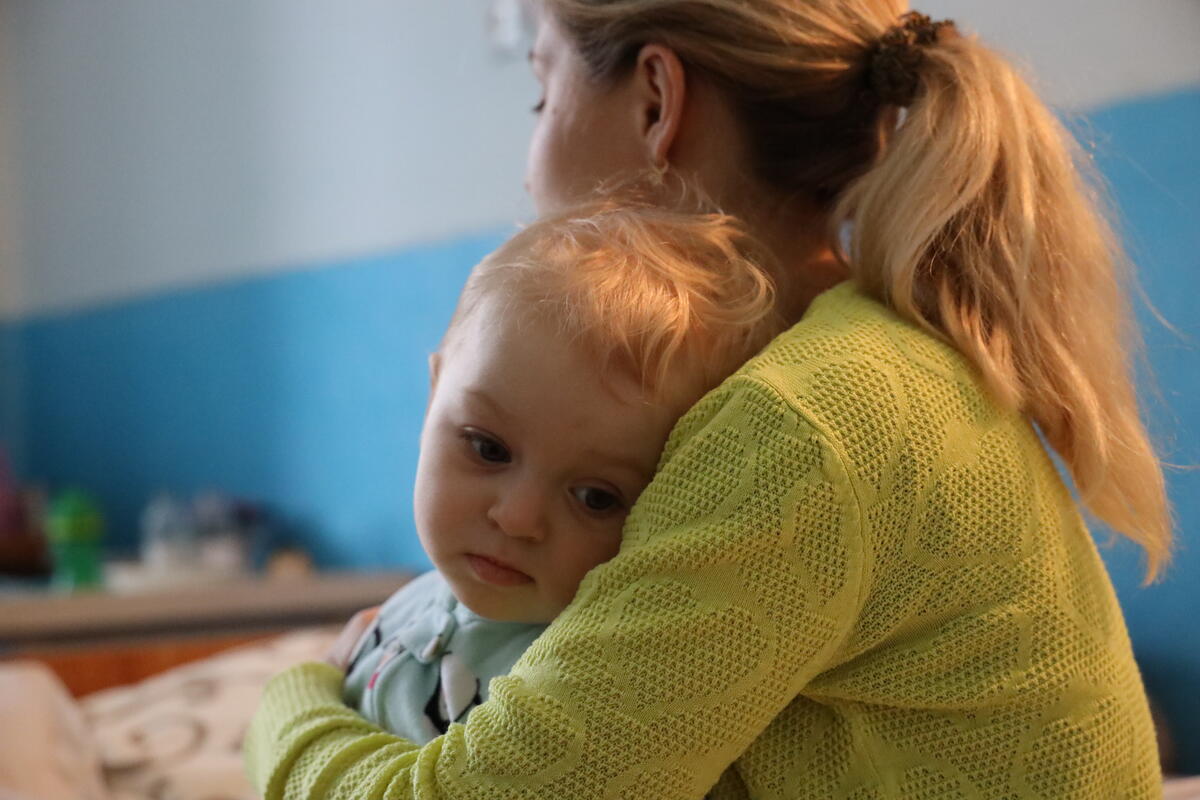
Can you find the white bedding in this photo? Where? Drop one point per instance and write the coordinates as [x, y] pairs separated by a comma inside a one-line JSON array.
[[176, 736], [46, 749]]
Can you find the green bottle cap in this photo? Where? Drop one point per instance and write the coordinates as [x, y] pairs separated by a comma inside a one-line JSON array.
[[74, 518]]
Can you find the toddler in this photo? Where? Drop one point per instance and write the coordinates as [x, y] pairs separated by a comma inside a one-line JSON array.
[[573, 350]]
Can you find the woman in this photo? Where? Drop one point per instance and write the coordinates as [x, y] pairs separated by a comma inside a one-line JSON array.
[[857, 572]]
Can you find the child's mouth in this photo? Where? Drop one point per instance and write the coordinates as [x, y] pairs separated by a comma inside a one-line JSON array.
[[496, 573]]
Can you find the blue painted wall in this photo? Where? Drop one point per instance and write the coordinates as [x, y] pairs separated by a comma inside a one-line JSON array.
[[1148, 152], [306, 390], [13, 396]]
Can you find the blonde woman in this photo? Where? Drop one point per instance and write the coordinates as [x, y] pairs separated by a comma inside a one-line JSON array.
[[857, 572]]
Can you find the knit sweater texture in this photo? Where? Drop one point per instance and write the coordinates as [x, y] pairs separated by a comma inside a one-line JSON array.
[[854, 576]]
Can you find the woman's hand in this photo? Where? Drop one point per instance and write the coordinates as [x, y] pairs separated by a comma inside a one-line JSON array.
[[343, 647]]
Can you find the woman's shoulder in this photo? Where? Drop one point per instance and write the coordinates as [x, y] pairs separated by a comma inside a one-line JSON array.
[[852, 361], [846, 331], [871, 384]]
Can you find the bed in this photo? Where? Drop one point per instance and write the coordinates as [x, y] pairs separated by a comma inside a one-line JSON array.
[[176, 735], [173, 736]]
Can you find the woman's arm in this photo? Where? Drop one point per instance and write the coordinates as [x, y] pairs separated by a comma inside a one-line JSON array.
[[739, 578]]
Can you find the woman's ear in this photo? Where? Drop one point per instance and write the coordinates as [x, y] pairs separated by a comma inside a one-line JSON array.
[[662, 87]]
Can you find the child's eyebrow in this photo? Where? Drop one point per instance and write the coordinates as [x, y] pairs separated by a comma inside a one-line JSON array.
[[486, 399]]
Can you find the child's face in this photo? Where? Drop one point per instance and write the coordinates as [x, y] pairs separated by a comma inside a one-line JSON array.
[[529, 465]]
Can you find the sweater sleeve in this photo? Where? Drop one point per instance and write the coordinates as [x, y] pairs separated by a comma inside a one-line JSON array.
[[739, 578]]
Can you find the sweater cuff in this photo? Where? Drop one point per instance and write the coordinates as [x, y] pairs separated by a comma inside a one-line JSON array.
[[295, 705], [313, 683]]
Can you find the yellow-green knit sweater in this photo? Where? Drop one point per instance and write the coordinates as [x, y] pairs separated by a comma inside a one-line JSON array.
[[853, 577]]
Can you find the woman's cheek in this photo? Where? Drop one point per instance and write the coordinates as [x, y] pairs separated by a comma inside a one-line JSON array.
[[558, 154], [536, 170]]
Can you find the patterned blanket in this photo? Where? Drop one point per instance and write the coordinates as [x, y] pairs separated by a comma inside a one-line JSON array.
[[175, 736]]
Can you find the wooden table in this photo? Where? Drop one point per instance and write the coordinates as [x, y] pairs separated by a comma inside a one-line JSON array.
[[97, 639]]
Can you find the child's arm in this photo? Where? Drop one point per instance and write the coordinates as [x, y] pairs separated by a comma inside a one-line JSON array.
[[346, 646], [673, 658]]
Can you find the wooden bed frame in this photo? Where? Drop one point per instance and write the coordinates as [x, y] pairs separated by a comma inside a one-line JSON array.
[[90, 669], [98, 640]]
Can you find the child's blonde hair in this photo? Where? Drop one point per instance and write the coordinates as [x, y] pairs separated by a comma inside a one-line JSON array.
[[673, 299], [970, 212]]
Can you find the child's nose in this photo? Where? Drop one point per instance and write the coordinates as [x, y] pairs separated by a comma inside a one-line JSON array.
[[519, 511]]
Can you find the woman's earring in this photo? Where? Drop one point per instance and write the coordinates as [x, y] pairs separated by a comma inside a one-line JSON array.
[[658, 172]]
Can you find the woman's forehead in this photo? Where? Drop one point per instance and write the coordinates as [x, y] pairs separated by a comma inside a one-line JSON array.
[[549, 41]]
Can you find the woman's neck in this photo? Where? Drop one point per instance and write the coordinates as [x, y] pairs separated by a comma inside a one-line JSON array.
[[711, 154], [798, 237]]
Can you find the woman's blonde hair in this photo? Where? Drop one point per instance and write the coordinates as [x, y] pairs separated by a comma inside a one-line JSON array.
[[673, 299], [968, 208]]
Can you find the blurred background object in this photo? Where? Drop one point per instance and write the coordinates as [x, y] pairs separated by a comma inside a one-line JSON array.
[[22, 540], [231, 232], [75, 529]]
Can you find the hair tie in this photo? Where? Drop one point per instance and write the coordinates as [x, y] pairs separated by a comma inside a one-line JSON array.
[[894, 69]]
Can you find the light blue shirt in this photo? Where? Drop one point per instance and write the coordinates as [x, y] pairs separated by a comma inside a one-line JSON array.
[[427, 660]]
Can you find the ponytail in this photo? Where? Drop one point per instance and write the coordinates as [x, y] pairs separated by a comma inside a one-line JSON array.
[[977, 223], [972, 217]]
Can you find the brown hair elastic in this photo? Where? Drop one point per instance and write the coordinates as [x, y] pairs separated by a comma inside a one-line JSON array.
[[895, 62]]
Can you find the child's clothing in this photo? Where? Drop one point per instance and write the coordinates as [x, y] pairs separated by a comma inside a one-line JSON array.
[[427, 659], [854, 575]]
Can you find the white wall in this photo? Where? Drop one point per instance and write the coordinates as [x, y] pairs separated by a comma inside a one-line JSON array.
[[1085, 53], [12, 271], [166, 143], [170, 142], [12, 364]]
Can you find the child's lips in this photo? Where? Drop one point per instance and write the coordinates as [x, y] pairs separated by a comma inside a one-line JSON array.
[[490, 570]]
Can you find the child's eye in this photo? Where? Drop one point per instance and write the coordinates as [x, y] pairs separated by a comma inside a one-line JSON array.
[[487, 448], [540, 106], [596, 500]]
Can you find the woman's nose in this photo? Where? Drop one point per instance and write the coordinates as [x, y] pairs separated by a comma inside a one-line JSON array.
[[519, 510]]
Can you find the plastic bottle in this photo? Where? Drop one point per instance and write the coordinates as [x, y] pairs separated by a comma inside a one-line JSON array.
[[75, 527], [168, 535]]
